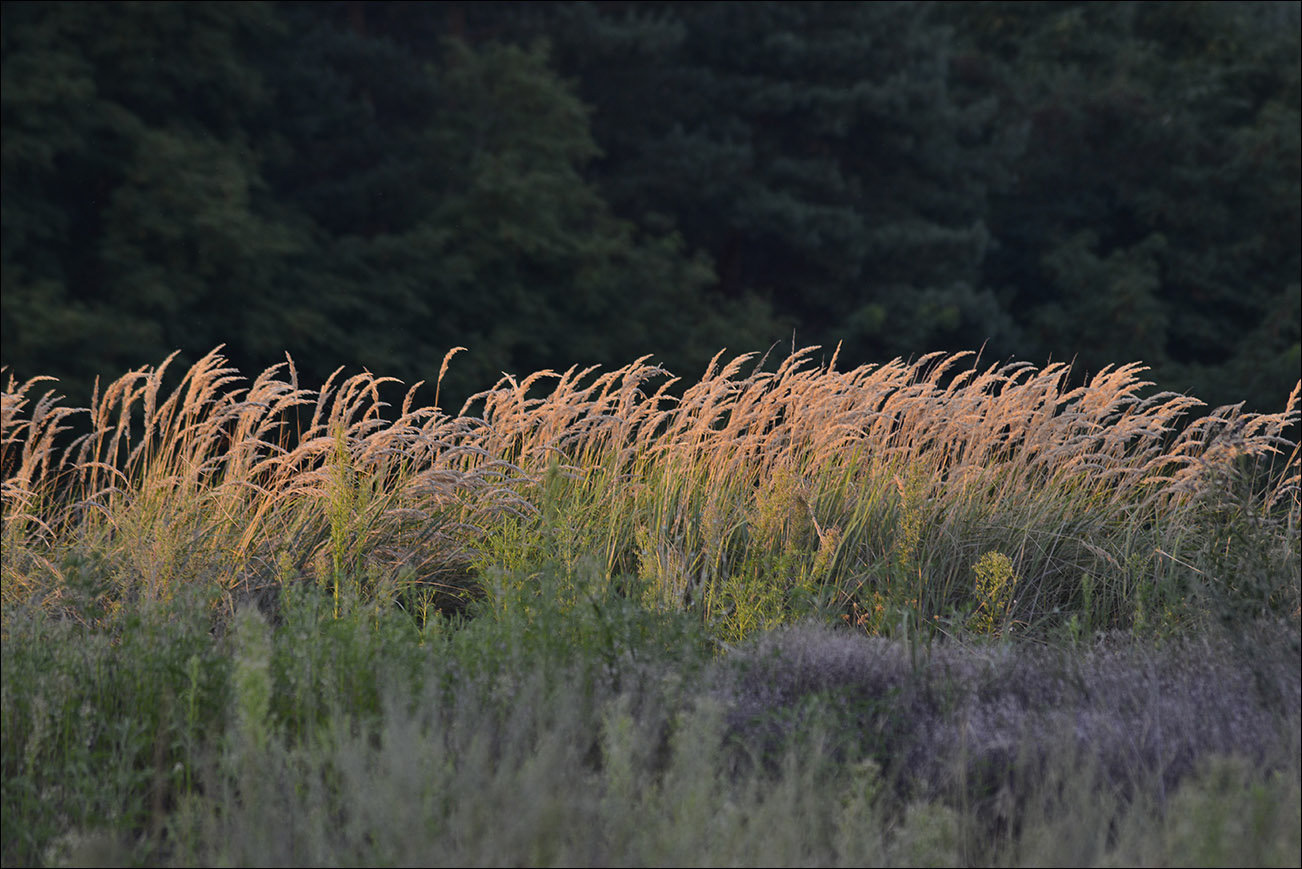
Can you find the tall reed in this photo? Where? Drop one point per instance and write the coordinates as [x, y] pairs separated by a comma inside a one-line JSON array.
[[245, 486], [939, 491], [881, 491]]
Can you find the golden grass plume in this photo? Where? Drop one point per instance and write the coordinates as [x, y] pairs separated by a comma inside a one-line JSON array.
[[253, 480]]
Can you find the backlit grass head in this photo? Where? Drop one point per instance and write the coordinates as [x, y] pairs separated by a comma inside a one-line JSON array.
[[800, 485]]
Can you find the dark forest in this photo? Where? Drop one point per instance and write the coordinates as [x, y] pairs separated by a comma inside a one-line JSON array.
[[371, 184]]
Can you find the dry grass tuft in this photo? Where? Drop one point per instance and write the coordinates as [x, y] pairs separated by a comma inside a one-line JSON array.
[[244, 485], [883, 484]]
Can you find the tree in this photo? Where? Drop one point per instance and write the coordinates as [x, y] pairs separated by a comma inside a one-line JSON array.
[[293, 178], [813, 150], [1156, 210], [132, 220]]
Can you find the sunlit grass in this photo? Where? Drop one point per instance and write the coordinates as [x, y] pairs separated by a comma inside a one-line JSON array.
[[909, 613], [749, 497]]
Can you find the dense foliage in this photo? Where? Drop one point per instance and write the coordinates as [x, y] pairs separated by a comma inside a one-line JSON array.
[[899, 614], [372, 184]]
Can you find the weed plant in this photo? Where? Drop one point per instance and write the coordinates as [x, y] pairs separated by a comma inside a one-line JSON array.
[[545, 730]]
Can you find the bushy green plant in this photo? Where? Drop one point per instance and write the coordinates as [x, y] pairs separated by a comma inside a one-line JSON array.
[[104, 726]]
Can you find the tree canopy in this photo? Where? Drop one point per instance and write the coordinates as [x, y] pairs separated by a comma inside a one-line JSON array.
[[371, 184]]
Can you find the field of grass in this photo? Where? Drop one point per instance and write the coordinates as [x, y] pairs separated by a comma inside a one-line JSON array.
[[913, 613]]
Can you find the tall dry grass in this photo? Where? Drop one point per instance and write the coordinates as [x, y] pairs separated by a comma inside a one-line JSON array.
[[885, 489], [242, 486], [940, 489]]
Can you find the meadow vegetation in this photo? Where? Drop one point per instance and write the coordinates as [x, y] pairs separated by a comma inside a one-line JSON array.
[[941, 612]]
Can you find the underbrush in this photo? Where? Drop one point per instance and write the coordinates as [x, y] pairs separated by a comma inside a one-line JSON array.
[[905, 614], [563, 724]]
